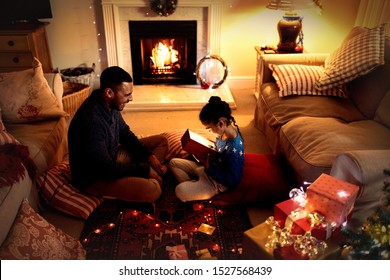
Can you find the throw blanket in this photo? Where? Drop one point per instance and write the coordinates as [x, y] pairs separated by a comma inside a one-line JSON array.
[[14, 160]]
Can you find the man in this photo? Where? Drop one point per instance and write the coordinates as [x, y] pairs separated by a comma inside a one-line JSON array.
[[105, 157]]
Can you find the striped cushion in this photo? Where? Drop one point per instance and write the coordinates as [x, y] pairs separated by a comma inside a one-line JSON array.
[[56, 189], [297, 79], [355, 57], [174, 141]]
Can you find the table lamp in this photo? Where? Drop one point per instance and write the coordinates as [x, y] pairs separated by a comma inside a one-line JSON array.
[[290, 26]]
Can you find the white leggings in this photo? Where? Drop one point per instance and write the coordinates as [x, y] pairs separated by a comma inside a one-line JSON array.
[[194, 183]]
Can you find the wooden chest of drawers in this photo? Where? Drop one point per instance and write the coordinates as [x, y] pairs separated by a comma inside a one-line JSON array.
[[20, 43]]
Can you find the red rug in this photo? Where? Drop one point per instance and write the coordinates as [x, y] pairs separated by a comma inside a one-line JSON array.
[[118, 230]]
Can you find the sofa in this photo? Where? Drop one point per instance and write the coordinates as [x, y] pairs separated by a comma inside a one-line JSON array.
[[35, 125], [309, 129], [342, 131]]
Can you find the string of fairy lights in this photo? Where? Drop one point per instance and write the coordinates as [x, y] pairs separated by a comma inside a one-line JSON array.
[[98, 35]]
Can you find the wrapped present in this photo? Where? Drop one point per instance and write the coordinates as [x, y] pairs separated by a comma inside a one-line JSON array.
[[316, 225], [331, 197], [290, 214], [178, 252], [287, 245], [263, 241], [288, 211]]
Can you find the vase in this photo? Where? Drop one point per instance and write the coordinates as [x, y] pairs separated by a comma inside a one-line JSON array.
[[288, 28]]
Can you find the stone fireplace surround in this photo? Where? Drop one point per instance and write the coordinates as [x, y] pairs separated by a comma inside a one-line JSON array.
[[207, 13]]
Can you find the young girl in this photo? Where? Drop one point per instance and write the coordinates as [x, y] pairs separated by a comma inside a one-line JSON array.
[[223, 171]]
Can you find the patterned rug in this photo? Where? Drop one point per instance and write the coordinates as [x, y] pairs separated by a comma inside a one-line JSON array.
[[197, 230]]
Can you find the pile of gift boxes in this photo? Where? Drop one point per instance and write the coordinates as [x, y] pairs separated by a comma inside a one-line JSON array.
[[302, 226]]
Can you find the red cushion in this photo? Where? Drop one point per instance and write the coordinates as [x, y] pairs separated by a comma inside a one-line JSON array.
[[266, 178]]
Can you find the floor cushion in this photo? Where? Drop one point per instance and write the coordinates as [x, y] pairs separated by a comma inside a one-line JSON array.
[[55, 187], [267, 179]]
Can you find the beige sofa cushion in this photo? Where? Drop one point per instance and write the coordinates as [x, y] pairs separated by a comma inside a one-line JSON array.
[[35, 100], [281, 110], [54, 81], [46, 140], [311, 144]]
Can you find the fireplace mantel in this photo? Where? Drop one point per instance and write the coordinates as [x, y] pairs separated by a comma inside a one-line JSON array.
[[113, 16]]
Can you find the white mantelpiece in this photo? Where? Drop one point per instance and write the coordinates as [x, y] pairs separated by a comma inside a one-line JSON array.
[[117, 13]]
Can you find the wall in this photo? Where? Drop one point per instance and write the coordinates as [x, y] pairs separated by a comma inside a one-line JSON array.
[[248, 23], [76, 32]]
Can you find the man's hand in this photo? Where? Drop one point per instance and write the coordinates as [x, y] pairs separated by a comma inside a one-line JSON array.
[[153, 174], [157, 166]]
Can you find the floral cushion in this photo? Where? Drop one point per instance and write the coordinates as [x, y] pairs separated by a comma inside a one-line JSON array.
[[355, 57], [25, 96], [297, 79], [55, 187], [31, 237]]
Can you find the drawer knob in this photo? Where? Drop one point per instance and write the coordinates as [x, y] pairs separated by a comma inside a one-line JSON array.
[[11, 43], [15, 59]]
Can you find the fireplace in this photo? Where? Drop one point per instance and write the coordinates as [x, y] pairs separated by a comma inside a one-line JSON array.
[[118, 13], [157, 97], [163, 52]]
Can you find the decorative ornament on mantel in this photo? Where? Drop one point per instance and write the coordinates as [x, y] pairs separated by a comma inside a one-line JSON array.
[[163, 7]]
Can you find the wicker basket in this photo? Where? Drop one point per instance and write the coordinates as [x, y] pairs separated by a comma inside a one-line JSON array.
[[74, 95], [81, 74]]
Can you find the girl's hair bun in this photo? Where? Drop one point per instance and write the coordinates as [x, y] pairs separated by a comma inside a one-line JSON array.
[[215, 99]]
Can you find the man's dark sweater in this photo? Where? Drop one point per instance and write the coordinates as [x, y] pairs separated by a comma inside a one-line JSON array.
[[94, 136]]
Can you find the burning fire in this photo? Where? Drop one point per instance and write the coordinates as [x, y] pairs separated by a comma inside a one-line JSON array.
[[164, 57]]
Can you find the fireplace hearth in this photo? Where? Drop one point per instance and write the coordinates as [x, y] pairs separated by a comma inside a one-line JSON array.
[[163, 52]]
